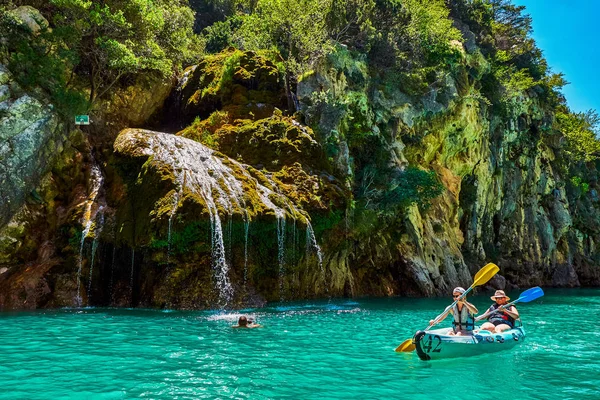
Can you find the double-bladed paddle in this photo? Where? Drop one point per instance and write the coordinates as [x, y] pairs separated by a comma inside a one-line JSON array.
[[525, 297], [481, 277]]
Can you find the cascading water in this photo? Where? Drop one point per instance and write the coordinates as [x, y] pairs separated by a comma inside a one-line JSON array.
[[229, 240], [311, 241], [173, 211], [96, 180], [218, 182], [246, 230], [281, 252], [99, 226]]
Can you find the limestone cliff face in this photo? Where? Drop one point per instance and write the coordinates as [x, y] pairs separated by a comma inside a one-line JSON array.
[[504, 196], [253, 202], [31, 136]]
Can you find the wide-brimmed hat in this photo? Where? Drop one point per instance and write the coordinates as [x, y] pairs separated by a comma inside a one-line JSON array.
[[499, 294]]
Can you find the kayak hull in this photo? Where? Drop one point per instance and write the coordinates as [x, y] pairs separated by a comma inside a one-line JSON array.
[[438, 344]]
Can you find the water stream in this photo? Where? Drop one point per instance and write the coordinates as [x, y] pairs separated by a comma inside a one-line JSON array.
[[96, 181], [97, 231], [219, 183]]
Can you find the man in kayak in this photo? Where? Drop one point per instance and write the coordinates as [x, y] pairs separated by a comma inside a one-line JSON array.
[[500, 320], [463, 312], [244, 322]]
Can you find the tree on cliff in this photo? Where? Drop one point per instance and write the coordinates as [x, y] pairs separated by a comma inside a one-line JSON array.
[[93, 45], [114, 38], [581, 131]]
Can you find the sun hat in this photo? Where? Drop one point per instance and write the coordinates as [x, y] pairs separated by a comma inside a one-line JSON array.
[[499, 294]]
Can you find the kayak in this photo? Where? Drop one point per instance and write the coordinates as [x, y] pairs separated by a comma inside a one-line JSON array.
[[439, 344]]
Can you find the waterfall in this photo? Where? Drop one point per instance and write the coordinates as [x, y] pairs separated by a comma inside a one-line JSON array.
[[294, 242], [97, 232], [96, 180], [246, 229], [173, 211], [229, 240], [218, 182], [311, 241], [281, 251], [218, 255], [85, 232]]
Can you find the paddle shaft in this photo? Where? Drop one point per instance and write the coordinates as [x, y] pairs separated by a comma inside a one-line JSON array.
[[436, 320], [487, 314]]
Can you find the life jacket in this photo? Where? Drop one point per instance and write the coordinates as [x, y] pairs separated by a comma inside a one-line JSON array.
[[463, 320], [500, 317]]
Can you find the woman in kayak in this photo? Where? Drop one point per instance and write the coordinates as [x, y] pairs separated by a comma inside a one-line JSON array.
[[500, 320], [463, 312]]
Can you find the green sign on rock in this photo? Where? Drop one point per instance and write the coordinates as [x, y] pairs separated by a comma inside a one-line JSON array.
[[82, 120]]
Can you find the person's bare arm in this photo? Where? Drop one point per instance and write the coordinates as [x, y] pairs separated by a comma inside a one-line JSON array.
[[511, 312], [472, 309], [441, 317]]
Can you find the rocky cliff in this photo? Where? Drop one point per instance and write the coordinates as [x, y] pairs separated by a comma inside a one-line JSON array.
[[370, 184]]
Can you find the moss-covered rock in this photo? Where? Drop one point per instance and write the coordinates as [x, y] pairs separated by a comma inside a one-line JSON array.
[[269, 143], [244, 84], [32, 137]]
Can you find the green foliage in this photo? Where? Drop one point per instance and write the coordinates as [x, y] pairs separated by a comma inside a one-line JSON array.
[[226, 71], [358, 119], [32, 68], [515, 81], [295, 28], [517, 64], [74, 235], [431, 29], [323, 223], [581, 186], [221, 34], [413, 186], [580, 130], [118, 38], [350, 22], [90, 46], [413, 83]]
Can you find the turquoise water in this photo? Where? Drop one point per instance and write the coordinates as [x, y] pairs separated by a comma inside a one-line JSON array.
[[338, 349]]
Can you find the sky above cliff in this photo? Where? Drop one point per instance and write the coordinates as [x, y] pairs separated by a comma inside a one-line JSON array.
[[569, 34]]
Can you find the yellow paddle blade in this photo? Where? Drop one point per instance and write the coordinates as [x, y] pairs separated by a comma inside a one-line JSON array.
[[485, 274], [406, 347]]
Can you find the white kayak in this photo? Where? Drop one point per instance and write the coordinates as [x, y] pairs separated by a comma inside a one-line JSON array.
[[438, 344]]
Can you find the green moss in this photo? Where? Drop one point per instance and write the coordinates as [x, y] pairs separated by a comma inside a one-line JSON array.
[[353, 64], [245, 85], [273, 142], [322, 223], [222, 66], [192, 237], [307, 74], [75, 238]]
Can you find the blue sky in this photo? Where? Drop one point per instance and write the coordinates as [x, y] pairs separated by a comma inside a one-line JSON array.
[[568, 31]]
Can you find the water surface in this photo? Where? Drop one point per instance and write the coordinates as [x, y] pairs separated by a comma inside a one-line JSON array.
[[337, 349]]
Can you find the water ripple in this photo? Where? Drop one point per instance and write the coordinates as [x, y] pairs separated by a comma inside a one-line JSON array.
[[317, 350]]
